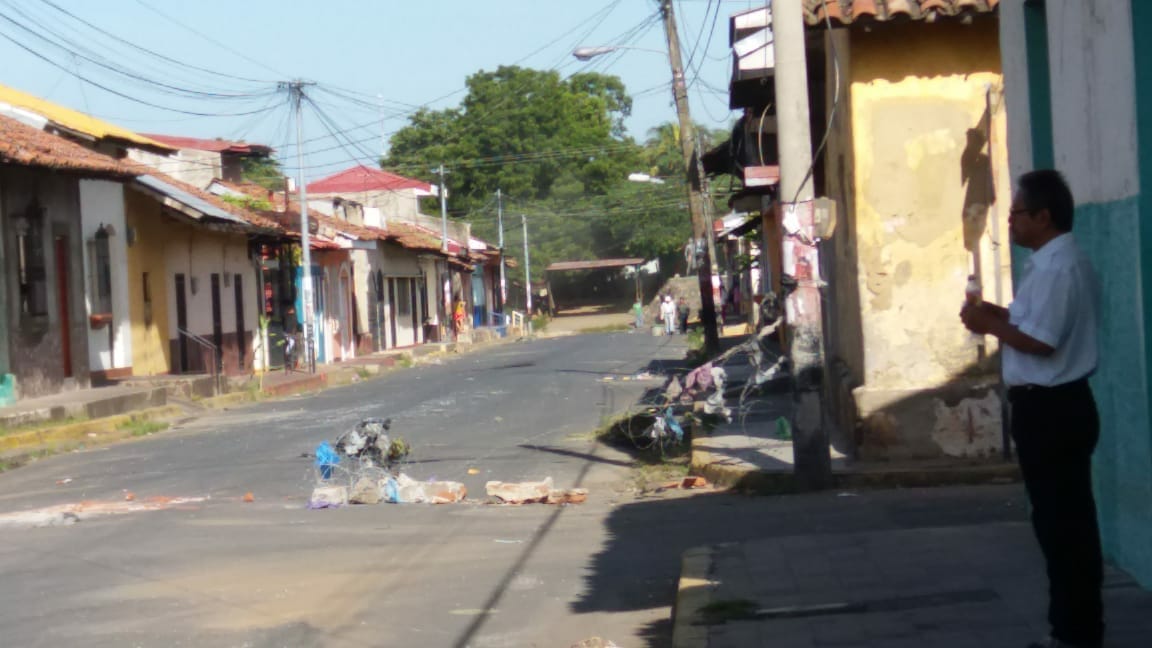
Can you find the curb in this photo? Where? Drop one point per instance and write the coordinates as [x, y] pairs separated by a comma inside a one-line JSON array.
[[92, 432], [706, 465], [693, 592]]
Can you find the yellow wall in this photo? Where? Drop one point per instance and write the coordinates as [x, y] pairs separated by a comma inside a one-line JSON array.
[[914, 93], [150, 352]]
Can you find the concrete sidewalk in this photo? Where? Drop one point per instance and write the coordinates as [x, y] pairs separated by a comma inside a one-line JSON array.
[[951, 587]]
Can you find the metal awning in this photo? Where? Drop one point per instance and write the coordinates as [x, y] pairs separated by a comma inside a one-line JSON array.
[[180, 200], [595, 264]]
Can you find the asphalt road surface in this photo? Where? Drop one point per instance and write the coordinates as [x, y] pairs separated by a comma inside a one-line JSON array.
[[214, 570]]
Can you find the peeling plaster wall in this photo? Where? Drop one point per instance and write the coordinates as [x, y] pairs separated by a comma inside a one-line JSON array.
[[928, 203], [36, 345]]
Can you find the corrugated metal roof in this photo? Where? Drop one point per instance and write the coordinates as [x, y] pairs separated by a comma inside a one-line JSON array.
[[73, 120], [845, 12], [188, 200], [593, 265]]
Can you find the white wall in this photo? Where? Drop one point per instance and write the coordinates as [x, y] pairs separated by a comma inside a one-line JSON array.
[[102, 203], [199, 255], [1093, 97], [188, 165]]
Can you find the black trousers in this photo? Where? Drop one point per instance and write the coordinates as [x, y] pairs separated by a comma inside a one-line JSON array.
[[1056, 430]]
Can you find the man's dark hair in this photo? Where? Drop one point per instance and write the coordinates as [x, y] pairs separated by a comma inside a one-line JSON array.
[[1047, 189]]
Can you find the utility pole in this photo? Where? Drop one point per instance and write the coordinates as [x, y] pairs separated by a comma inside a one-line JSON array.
[[443, 207], [700, 226], [296, 89], [527, 274], [500, 225], [812, 466]]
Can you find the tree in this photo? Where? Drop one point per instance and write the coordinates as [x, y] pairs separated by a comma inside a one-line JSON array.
[[264, 171]]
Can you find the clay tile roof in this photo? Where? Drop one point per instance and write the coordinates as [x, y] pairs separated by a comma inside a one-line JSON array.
[[844, 12], [249, 216], [363, 178], [211, 145], [24, 145]]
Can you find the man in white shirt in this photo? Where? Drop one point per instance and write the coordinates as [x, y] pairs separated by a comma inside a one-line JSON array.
[[1049, 341]]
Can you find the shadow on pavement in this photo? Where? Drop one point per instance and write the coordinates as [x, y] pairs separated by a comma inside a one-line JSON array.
[[639, 567]]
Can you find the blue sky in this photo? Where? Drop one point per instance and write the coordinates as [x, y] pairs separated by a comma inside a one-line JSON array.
[[385, 57]]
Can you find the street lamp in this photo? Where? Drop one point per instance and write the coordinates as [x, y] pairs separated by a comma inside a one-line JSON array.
[[589, 53], [644, 177], [697, 207]]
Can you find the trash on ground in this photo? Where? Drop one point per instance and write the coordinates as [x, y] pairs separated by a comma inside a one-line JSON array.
[[402, 489], [473, 471], [369, 443], [129, 496], [66, 480], [502, 541], [541, 492], [846, 494], [783, 429], [249, 498], [326, 460], [328, 497]]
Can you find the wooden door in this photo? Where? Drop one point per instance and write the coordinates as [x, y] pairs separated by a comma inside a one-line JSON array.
[[63, 279]]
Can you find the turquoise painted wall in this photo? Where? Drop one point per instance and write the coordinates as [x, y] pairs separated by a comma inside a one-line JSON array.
[[1109, 233], [1132, 542]]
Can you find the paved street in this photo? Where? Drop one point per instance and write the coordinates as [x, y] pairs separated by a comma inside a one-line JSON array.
[[222, 572]]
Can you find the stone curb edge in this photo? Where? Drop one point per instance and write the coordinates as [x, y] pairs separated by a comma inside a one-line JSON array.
[[693, 592], [94, 432], [704, 464]]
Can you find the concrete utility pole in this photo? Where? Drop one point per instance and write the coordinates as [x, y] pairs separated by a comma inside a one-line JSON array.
[[500, 225], [700, 225], [443, 207], [527, 274], [296, 88], [812, 466]]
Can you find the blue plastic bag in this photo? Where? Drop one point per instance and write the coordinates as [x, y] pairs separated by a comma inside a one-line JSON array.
[[391, 491], [326, 458]]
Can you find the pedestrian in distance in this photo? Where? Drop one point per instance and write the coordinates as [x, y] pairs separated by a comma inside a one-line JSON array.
[[638, 313], [682, 312], [1049, 341], [668, 315]]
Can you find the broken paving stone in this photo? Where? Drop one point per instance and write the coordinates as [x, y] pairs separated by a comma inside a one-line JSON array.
[[571, 496], [444, 492], [693, 481], [366, 491], [595, 642], [328, 497], [520, 492]]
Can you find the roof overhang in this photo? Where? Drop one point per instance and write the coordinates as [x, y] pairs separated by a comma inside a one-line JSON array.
[[596, 264], [176, 198]]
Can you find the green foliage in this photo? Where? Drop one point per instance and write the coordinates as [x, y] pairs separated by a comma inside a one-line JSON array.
[[558, 150], [248, 202], [264, 171]]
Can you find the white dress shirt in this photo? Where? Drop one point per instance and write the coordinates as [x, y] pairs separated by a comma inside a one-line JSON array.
[[1057, 303]]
